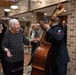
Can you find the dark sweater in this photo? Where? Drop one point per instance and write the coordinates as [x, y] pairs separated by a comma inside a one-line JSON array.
[[14, 42]]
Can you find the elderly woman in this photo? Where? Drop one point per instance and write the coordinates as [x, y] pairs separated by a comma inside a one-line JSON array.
[[13, 46]]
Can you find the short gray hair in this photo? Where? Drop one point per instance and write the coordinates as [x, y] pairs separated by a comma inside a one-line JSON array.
[[11, 23]]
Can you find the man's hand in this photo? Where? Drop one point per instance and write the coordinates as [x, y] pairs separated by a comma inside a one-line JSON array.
[[45, 26], [37, 39], [34, 39], [31, 40]]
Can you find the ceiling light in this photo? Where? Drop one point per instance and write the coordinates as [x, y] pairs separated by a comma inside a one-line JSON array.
[[23, 17], [14, 6], [34, 1], [65, 10], [7, 10], [45, 14], [32, 16]]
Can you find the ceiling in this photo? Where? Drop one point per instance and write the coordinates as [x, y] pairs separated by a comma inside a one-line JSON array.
[[7, 3], [48, 10]]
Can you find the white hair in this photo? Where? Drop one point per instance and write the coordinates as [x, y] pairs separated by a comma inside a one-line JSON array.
[[11, 23]]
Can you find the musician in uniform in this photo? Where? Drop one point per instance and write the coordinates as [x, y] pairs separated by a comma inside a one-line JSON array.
[[55, 35]]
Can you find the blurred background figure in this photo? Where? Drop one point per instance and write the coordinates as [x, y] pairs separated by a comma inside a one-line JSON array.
[[26, 32], [27, 48], [39, 30], [64, 26], [2, 53], [1, 28], [32, 33], [35, 33]]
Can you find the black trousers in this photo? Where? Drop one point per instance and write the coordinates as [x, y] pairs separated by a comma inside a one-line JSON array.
[[3, 61], [33, 47], [59, 70], [14, 65]]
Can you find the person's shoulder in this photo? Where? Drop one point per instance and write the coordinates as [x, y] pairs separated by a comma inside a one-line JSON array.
[[2, 22], [7, 32], [58, 27], [21, 31]]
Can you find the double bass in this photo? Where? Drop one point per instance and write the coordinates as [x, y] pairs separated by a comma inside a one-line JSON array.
[[42, 58]]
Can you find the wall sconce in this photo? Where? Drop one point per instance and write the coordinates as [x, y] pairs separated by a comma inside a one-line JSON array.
[[7, 10], [36, 1]]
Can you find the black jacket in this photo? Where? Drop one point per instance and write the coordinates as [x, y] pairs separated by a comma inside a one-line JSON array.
[[55, 35], [2, 34]]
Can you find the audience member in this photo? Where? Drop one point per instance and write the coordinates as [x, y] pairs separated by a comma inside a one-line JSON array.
[[64, 25], [1, 28], [34, 34], [26, 32], [2, 56], [27, 48]]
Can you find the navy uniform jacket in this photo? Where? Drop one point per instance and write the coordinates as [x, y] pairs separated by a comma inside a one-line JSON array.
[[55, 35]]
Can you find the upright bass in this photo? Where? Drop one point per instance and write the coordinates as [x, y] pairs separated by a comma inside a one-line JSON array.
[[42, 57]]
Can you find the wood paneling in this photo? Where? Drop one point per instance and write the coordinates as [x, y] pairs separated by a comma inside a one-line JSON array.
[[4, 3]]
